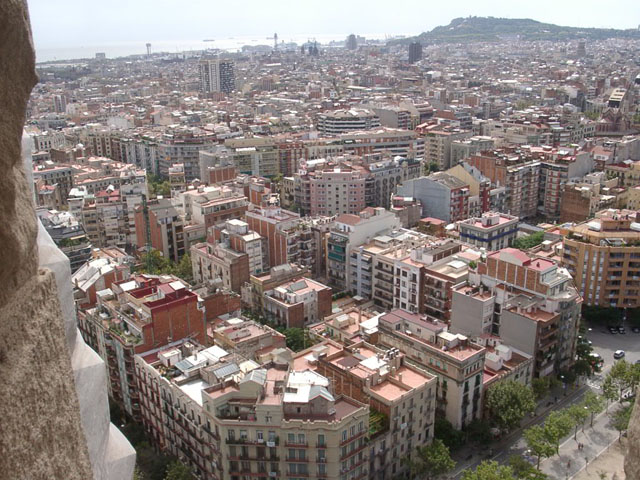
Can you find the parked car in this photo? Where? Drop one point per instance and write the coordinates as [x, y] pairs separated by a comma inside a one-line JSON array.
[[635, 329], [618, 354], [621, 330], [613, 329], [628, 395]]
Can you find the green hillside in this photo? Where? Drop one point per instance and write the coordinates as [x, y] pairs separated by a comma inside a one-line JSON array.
[[491, 29]]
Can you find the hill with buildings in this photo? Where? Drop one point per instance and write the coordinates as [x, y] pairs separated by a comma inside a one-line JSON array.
[[492, 29]]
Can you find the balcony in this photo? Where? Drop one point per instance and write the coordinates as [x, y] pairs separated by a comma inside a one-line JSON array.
[[355, 437], [335, 256], [296, 444], [242, 441], [297, 460], [354, 452]]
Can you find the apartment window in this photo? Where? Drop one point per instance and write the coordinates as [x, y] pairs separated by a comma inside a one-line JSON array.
[[259, 435], [344, 435], [272, 436], [291, 438], [321, 441]]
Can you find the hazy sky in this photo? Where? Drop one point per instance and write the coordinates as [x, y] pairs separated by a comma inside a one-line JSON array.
[[63, 23]]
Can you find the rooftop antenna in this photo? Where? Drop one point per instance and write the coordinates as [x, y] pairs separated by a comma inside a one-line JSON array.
[[148, 49]]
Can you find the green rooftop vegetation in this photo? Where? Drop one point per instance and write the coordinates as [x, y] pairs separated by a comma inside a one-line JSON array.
[[378, 422]]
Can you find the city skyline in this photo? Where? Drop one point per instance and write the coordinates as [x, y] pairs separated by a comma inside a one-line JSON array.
[[165, 20]]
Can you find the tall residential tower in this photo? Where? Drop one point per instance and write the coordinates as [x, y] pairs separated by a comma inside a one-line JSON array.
[[217, 75]]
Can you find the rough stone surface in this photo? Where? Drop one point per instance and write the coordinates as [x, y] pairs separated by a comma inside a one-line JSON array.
[[42, 434], [55, 419], [632, 457], [18, 76]]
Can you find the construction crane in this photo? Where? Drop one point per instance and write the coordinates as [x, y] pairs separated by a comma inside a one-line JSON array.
[[275, 40]]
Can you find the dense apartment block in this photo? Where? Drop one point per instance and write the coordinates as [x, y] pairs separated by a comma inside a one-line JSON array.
[[106, 266], [220, 265], [529, 303], [209, 206], [228, 417], [216, 166], [253, 292], [297, 303], [385, 140], [68, 234], [350, 232], [236, 235], [217, 75], [491, 231], [401, 398], [603, 257], [57, 178], [290, 239], [133, 316], [342, 121], [369, 263], [442, 196], [483, 195], [437, 143], [520, 177], [407, 209], [410, 287], [439, 278], [331, 191], [163, 225], [254, 156], [386, 175], [462, 149], [250, 339], [457, 362]]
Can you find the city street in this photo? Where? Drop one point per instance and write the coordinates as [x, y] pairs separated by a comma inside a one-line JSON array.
[[595, 440], [605, 344]]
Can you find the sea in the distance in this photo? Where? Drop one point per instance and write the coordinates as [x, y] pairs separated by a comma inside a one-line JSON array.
[[123, 49]]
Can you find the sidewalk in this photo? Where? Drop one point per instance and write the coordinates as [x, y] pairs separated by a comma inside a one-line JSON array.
[[611, 462], [571, 461]]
